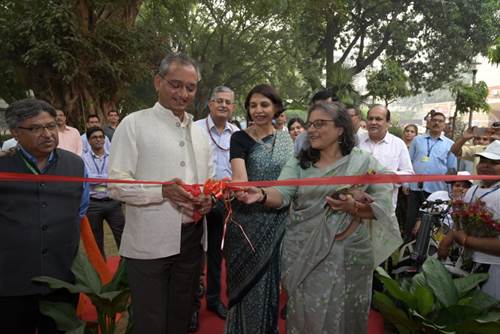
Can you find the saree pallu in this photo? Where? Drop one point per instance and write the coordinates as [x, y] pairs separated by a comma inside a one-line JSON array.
[[253, 274]]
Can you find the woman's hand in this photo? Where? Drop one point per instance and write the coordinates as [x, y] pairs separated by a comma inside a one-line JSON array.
[[345, 203], [361, 196], [249, 195]]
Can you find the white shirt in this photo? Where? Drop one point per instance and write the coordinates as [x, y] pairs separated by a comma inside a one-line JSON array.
[[220, 145], [9, 143], [492, 201], [392, 154], [153, 144]]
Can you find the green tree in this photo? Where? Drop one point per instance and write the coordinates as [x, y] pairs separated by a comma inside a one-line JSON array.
[[428, 38], [79, 55], [388, 83], [494, 52], [236, 43], [469, 99]]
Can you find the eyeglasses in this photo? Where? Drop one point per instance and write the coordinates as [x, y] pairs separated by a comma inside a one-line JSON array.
[[177, 84], [318, 124], [38, 129], [222, 101]]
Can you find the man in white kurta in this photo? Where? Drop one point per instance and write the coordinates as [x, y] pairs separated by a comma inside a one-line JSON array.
[[388, 149], [161, 241]]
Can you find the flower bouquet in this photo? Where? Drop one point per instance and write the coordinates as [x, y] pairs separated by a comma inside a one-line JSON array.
[[475, 219]]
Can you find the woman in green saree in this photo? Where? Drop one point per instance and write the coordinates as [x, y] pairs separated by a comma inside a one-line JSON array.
[[253, 239], [336, 234]]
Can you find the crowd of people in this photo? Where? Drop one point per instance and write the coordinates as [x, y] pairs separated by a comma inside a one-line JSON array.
[[319, 244]]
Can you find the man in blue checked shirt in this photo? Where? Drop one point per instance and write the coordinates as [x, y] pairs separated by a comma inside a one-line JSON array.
[[101, 205], [430, 154]]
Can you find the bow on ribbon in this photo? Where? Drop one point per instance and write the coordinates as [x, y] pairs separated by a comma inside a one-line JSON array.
[[214, 188]]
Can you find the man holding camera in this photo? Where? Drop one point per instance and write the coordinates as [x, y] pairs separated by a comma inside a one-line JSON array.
[[482, 137]]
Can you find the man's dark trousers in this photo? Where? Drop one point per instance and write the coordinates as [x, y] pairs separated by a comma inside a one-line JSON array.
[[111, 211], [215, 228], [164, 290]]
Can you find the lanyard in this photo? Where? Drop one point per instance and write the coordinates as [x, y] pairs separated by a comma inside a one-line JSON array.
[[30, 167], [99, 171], [483, 195], [213, 140], [429, 149]]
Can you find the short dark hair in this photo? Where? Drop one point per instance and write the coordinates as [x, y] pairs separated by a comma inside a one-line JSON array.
[[27, 108], [437, 113], [179, 58], [347, 141], [269, 92], [296, 120], [387, 114], [93, 116], [93, 129], [115, 111], [353, 107], [321, 95]]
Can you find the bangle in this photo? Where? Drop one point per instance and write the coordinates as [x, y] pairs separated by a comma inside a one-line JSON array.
[[264, 196]]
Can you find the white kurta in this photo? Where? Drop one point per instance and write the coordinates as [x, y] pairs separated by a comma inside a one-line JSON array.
[[154, 145]]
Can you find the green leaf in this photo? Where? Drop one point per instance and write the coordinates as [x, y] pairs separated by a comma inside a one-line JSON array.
[[85, 274], [492, 316], [440, 282], [392, 313], [395, 291], [418, 280], [474, 327], [425, 300], [119, 279], [467, 283], [482, 301], [451, 316], [55, 283], [118, 302], [64, 315]]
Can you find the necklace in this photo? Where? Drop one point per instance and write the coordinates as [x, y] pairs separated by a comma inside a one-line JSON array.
[[212, 138], [268, 146]]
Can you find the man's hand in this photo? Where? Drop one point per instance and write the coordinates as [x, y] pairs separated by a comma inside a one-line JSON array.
[[469, 133], [177, 194]]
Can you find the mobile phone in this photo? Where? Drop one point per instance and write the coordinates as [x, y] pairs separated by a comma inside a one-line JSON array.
[[478, 132]]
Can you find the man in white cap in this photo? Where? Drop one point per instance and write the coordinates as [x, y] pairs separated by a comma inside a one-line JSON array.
[[486, 250]]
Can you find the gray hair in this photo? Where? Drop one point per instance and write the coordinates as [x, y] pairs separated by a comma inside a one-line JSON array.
[[221, 89], [21, 110], [179, 58]]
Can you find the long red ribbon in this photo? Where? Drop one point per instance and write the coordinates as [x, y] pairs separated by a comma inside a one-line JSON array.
[[353, 179]]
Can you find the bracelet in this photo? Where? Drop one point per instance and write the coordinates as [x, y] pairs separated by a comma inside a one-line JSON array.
[[264, 196]]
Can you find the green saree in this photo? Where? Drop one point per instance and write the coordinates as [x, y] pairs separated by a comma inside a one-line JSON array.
[[329, 281]]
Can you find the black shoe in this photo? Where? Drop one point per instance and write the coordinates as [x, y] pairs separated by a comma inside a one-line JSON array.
[[194, 325], [218, 309]]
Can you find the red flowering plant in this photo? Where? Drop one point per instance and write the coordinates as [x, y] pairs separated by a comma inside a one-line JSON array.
[[475, 219]]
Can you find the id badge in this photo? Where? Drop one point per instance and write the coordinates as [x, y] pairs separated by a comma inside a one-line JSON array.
[[100, 189], [425, 158]]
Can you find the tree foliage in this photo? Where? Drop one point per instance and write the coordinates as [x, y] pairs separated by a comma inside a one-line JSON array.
[[470, 98], [78, 55], [388, 83], [494, 52], [428, 38]]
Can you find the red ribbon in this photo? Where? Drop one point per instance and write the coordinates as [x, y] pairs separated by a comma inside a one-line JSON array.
[[315, 181]]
